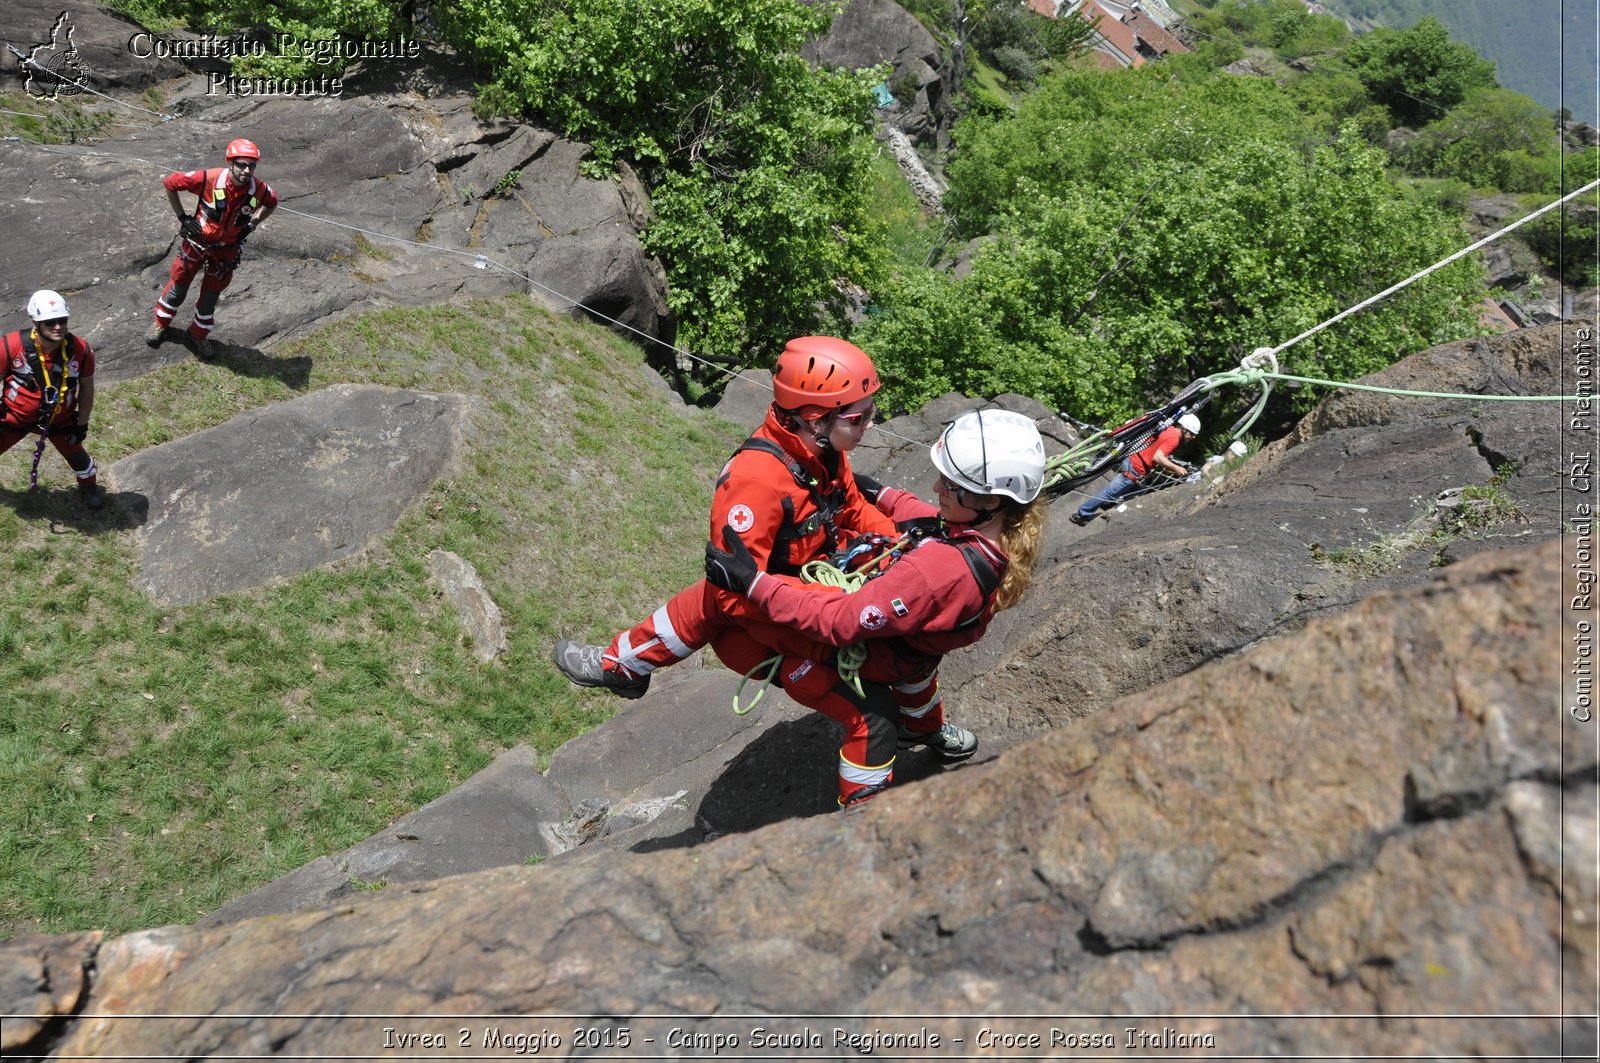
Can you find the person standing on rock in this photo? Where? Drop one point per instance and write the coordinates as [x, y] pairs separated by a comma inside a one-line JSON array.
[[48, 388], [936, 593], [1137, 469], [788, 489], [232, 203]]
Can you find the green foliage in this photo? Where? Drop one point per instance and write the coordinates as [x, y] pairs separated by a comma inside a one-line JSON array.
[[1418, 73], [1495, 138], [757, 162], [1566, 240], [318, 28], [1152, 231]]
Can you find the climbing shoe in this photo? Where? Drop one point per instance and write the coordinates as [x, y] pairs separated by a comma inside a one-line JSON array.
[[94, 496], [585, 666], [155, 334], [950, 742], [1080, 521], [862, 796]]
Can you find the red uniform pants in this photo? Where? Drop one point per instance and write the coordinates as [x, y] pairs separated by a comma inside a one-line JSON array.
[[218, 263], [77, 457]]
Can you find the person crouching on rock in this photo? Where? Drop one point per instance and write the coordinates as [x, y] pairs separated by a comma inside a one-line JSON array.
[[232, 203], [790, 492], [48, 388], [937, 593]]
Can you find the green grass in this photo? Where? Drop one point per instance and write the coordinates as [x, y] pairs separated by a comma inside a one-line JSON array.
[[159, 762], [910, 234]]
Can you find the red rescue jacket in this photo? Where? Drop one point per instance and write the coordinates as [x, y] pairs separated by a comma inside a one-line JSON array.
[[32, 376], [788, 506], [939, 596], [225, 205]]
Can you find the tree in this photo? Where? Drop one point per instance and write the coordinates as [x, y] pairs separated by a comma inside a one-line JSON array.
[[757, 162], [1418, 73], [1496, 138], [1105, 294]]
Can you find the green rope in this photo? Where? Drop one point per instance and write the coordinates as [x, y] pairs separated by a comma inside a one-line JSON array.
[[1422, 394], [850, 658]]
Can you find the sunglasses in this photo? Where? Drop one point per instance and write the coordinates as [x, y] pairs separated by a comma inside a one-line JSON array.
[[55, 322], [243, 164], [866, 416]]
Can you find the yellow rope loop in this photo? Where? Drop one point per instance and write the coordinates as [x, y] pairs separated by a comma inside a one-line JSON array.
[[851, 658], [771, 665]]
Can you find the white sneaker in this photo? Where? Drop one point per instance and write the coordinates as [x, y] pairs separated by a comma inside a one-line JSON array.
[[950, 742]]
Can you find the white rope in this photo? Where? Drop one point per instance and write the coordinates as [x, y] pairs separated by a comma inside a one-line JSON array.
[[1418, 276], [23, 60]]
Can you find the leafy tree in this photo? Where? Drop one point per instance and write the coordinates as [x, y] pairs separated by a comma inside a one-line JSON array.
[[1495, 138], [300, 20], [758, 163], [1082, 125], [1418, 73], [1104, 292]]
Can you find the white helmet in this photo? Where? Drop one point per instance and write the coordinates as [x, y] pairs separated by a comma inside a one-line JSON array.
[[992, 452], [1189, 423], [46, 305]]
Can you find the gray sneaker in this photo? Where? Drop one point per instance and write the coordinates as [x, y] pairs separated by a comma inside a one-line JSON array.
[[585, 666], [950, 742]]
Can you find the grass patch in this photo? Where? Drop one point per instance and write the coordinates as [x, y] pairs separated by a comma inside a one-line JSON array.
[[160, 762], [910, 235]]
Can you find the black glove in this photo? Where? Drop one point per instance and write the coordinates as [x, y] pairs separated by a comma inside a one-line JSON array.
[[245, 230], [868, 487], [732, 569], [920, 526], [191, 228], [73, 433]]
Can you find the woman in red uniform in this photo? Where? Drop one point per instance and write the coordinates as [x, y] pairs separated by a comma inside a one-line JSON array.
[[940, 594]]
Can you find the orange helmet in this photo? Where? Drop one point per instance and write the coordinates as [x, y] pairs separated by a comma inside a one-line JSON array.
[[822, 372], [241, 149]]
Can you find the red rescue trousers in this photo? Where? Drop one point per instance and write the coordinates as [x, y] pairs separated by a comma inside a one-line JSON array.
[[693, 618], [77, 456]]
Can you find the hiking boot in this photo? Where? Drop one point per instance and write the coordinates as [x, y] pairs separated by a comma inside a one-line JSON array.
[[861, 796], [1080, 521], [950, 742], [155, 334], [94, 496], [204, 349], [585, 666]]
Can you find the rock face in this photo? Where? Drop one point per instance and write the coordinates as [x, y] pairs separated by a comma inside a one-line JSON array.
[[282, 489], [400, 215], [1363, 818], [869, 32]]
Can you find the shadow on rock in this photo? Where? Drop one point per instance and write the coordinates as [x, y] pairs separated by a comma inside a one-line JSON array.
[[295, 373], [63, 508], [790, 772]]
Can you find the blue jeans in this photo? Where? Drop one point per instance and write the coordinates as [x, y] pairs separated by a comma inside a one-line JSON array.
[[1121, 486]]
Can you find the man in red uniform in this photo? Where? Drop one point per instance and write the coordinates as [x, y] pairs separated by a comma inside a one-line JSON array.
[[1131, 480], [232, 204], [48, 387], [788, 490]]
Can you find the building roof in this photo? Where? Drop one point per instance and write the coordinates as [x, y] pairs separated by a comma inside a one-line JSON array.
[[1113, 32], [1153, 33]]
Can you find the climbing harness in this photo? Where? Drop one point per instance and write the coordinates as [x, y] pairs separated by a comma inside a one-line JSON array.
[[52, 396]]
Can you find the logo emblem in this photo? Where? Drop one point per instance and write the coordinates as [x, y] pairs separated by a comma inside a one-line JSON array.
[[740, 519], [899, 607], [53, 68], [799, 673], [872, 618]]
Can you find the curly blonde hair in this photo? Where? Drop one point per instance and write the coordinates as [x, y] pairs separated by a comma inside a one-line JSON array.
[[1021, 537]]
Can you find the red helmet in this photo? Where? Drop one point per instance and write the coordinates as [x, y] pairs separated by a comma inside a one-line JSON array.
[[241, 149], [822, 372]]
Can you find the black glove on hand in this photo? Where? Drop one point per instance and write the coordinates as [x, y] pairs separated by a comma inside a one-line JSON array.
[[732, 569], [868, 487], [74, 433], [245, 230], [191, 228], [920, 526]]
